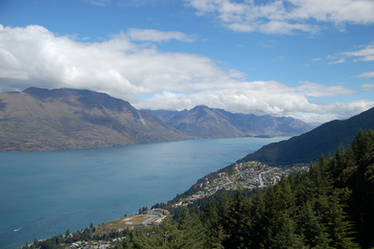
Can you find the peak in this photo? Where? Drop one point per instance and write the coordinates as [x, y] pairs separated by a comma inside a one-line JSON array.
[[43, 93], [200, 107], [34, 89], [37, 92], [61, 90], [90, 99], [31, 89]]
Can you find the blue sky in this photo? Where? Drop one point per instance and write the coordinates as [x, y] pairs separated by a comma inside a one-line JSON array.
[[306, 59]]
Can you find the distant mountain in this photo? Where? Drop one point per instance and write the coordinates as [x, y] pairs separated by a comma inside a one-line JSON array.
[[309, 146], [206, 122], [41, 119]]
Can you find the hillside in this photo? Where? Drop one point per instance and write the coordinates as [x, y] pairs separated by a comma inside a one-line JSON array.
[[202, 121], [249, 176], [309, 146], [328, 206], [41, 119]]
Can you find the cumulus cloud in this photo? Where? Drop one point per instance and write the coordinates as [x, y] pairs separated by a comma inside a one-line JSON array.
[[149, 78], [285, 16], [158, 36], [260, 98], [35, 54]]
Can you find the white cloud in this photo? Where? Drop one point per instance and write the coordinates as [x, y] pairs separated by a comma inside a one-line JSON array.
[[117, 66], [149, 78], [334, 111], [337, 61], [366, 75], [158, 36], [364, 54], [336, 11], [263, 97], [317, 90], [285, 16], [259, 98]]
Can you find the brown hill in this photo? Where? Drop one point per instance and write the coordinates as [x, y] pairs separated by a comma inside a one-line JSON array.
[[41, 119]]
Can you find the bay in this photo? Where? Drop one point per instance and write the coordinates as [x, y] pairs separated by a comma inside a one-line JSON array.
[[45, 193]]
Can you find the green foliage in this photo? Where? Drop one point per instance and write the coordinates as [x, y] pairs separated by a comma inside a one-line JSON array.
[[62, 241], [309, 146], [330, 206]]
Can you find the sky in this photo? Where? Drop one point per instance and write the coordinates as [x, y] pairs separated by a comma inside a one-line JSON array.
[[308, 59]]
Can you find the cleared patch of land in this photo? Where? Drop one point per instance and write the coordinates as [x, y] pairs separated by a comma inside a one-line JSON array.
[[150, 217]]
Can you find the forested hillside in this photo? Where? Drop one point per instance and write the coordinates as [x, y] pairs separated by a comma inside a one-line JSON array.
[[307, 147], [330, 206]]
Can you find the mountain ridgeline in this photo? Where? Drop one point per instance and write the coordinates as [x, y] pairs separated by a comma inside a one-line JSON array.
[[206, 122], [308, 147], [39, 119]]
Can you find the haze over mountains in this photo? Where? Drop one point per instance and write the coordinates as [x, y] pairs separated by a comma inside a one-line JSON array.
[[202, 121], [310, 146], [42, 119]]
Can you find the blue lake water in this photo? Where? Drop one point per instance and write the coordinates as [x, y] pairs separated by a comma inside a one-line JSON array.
[[44, 193]]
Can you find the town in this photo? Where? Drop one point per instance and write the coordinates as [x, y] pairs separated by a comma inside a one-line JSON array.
[[245, 175]]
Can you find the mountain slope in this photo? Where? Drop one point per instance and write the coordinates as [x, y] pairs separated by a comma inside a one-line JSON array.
[[203, 121], [265, 124], [41, 119], [309, 146]]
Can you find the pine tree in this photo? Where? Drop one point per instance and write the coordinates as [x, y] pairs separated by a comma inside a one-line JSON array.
[[256, 212], [312, 230], [340, 229], [215, 233], [238, 223]]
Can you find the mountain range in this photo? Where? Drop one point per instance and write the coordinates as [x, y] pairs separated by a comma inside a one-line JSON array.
[[310, 146], [39, 119], [202, 121]]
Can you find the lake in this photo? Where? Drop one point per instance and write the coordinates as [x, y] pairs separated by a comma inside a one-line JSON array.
[[46, 193]]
